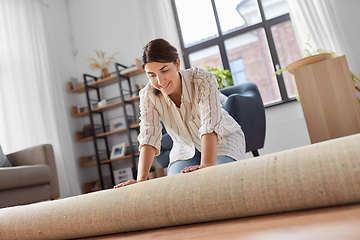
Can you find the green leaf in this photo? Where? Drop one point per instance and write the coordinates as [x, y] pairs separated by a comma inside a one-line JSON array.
[[223, 76], [280, 71], [308, 53]]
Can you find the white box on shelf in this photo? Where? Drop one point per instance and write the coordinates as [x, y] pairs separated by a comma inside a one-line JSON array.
[[122, 175], [83, 108]]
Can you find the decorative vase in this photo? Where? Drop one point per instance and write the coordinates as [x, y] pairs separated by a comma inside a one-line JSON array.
[[87, 133], [307, 61], [152, 175], [104, 73]]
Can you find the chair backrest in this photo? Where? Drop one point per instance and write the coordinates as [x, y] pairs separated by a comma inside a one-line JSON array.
[[245, 105]]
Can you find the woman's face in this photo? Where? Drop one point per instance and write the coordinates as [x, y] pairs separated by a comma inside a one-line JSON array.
[[164, 76]]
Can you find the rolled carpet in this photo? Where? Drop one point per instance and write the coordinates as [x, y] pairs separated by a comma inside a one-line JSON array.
[[318, 175]]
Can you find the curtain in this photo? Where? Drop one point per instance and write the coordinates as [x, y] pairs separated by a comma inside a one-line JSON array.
[[157, 20], [32, 109], [331, 25]]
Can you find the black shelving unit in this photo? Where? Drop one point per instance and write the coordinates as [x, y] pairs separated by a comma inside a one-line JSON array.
[[125, 92]]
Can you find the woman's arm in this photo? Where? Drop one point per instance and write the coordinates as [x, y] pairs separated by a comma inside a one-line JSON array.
[[208, 149], [147, 154], [149, 137], [210, 113], [146, 158], [208, 152]]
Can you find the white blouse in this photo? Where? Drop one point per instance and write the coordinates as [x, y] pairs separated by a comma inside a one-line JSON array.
[[200, 112]]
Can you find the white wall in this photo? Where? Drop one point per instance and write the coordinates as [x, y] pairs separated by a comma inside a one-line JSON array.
[[348, 19], [78, 27], [285, 128], [110, 26], [347, 14]]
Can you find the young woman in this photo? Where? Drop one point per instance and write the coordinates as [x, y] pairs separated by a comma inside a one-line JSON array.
[[188, 103]]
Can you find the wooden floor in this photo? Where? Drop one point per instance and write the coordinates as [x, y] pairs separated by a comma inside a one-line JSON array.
[[342, 222]]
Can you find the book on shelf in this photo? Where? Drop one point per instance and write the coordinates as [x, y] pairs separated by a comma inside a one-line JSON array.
[[132, 68], [129, 69]]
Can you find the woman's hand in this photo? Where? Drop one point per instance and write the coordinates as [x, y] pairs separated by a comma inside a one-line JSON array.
[[193, 168], [127, 183]]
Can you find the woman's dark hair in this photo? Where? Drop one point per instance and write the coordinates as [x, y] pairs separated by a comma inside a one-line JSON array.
[[159, 50]]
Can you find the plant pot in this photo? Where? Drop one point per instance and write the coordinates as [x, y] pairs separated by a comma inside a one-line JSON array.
[[307, 61], [152, 175], [104, 73], [87, 133], [330, 106]]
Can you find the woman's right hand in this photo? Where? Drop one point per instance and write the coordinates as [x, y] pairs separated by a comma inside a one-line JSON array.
[[146, 158], [126, 183]]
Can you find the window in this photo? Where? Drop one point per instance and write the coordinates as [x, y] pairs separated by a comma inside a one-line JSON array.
[[207, 57], [285, 43], [252, 38], [192, 25], [238, 71]]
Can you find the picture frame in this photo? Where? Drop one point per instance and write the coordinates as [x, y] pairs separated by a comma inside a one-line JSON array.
[[118, 150], [85, 108], [117, 123], [123, 175], [74, 82]]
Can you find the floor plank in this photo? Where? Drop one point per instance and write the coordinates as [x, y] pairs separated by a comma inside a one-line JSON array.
[[341, 222]]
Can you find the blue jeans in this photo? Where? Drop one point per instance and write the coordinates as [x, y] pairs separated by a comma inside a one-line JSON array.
[[178, 166]]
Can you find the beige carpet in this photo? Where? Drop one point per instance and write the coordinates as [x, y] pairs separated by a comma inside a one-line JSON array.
[[318, 175]]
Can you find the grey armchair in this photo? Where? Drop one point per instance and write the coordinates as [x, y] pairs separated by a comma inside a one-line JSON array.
[[32, 178], [245, 105]]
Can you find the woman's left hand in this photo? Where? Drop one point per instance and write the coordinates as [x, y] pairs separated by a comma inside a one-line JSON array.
[[193, 168]]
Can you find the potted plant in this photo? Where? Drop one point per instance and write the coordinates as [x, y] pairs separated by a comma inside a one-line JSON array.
[[87, 130], [102, 63], [313, 56], [307, 61], [152, 173], [223, 76], [138, 88]]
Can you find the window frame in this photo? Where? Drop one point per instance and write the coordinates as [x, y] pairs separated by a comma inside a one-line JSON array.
[[221, 38]]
